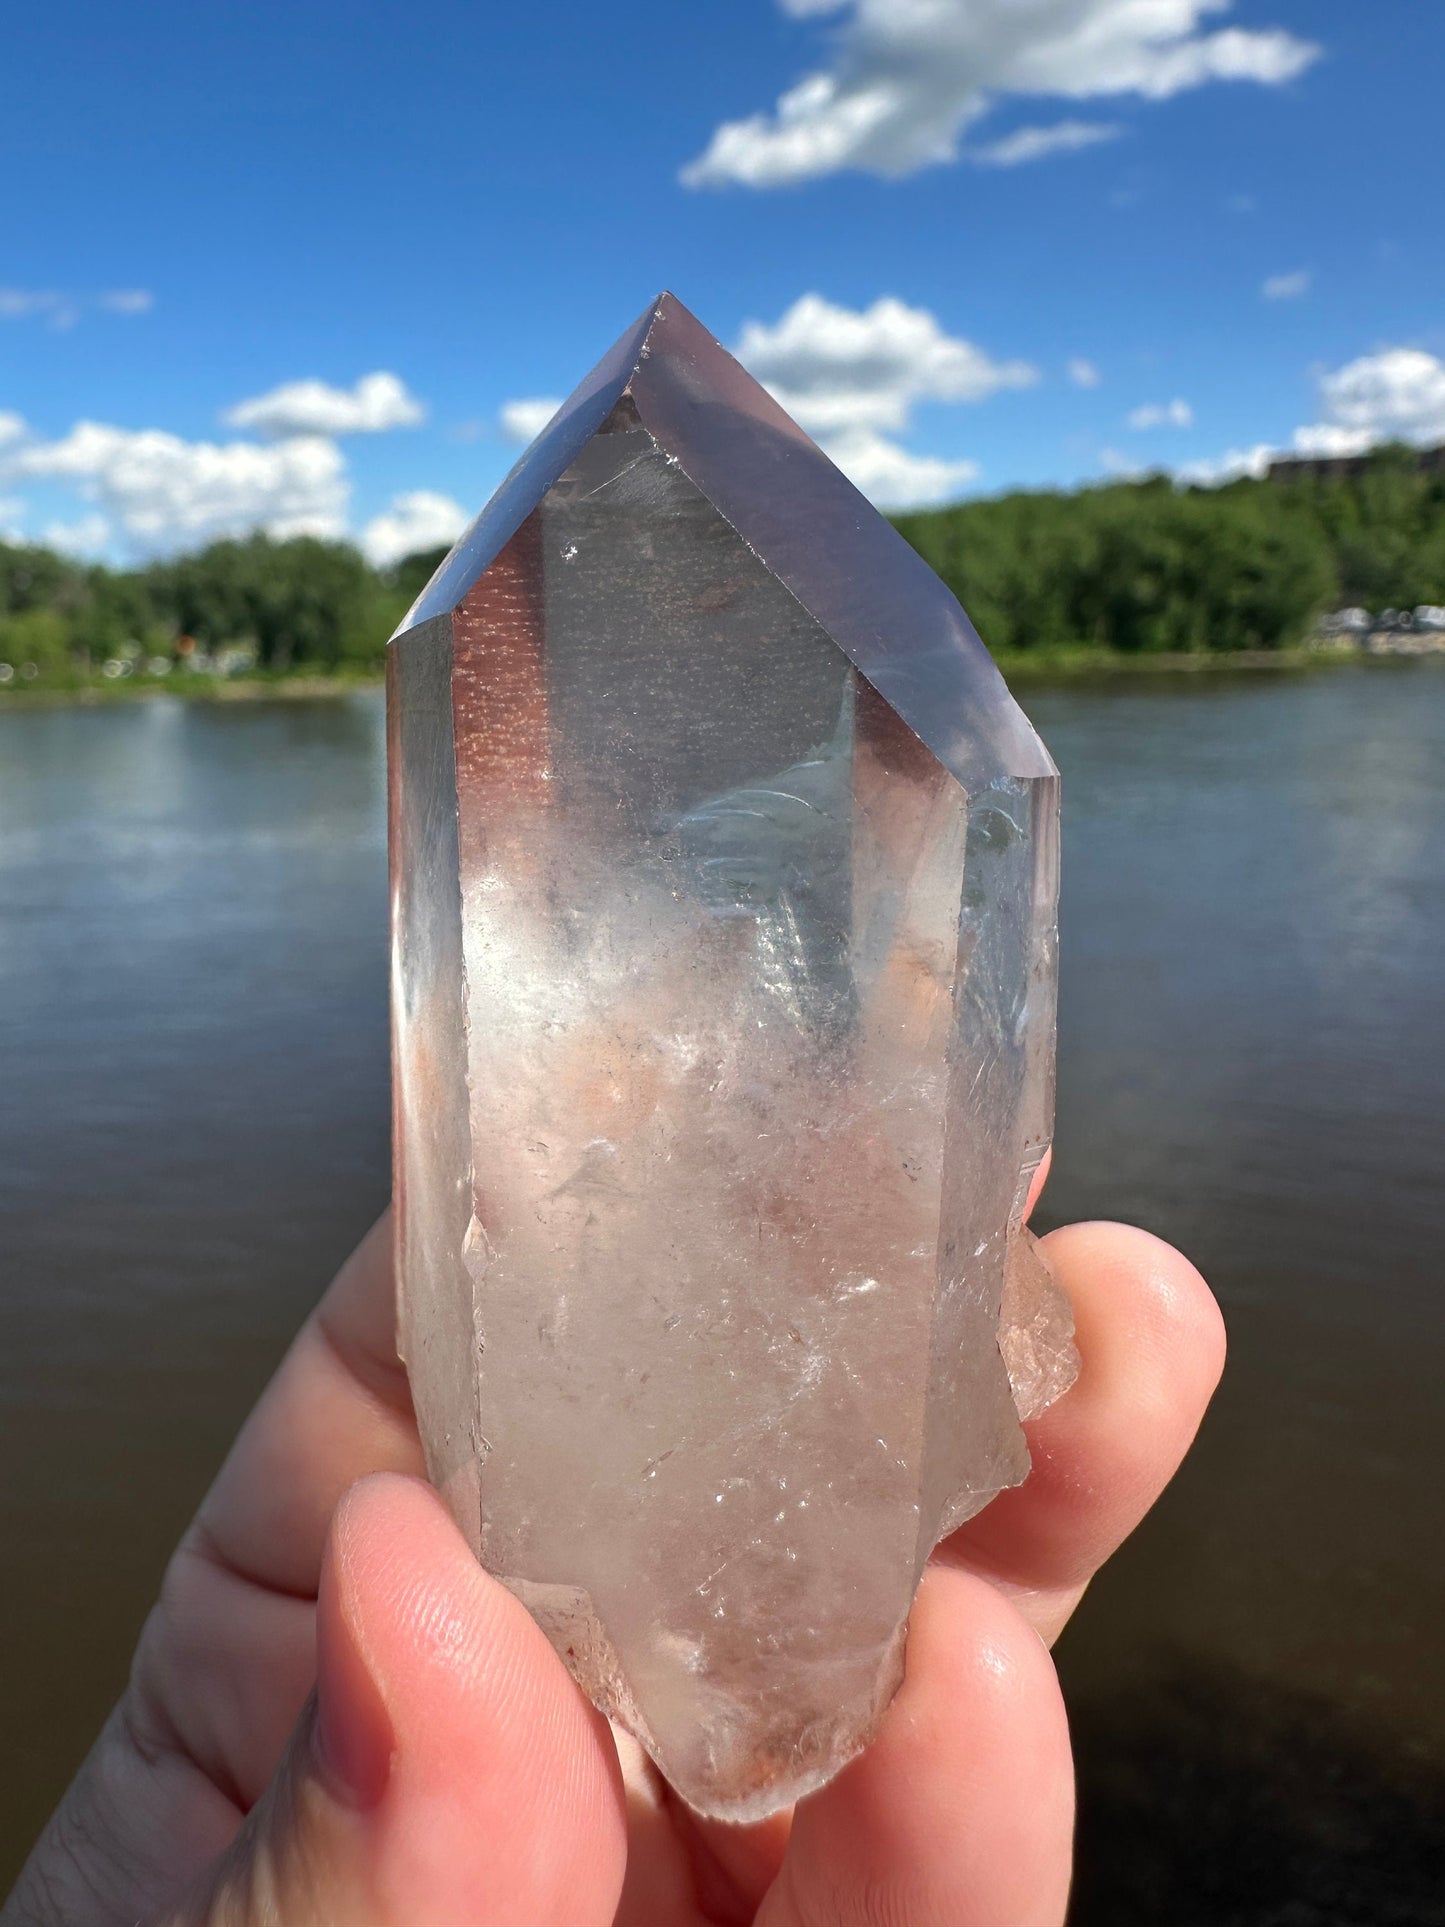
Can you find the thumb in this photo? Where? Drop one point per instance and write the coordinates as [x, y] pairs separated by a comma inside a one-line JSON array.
[[447, 1772]]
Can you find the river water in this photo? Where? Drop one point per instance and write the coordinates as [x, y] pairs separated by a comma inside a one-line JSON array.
[[193, 1130]]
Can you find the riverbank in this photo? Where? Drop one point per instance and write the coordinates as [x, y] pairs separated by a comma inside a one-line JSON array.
[[274, 686], [1022, 667], [1063, 664]]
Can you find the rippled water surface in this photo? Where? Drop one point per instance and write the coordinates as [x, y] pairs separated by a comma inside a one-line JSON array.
[[193, 1129]]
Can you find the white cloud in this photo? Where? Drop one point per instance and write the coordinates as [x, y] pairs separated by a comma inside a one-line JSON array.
[[22, 304], [1396, 395], [414, 522], [1253, 462], [1330, 439], [891, 475], [12, 427], [162, 492], [1083, 374], [852, 378], [378, 401], [64, 310], [1120, 467], [18, 304], [908, 78], [90, 536], [128, 301], [1037, 143], [1287, 287], [837, 368], [523, 420], [1162, 414]]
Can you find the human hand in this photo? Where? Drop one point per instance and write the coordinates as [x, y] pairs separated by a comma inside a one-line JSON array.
[[336, 1719]]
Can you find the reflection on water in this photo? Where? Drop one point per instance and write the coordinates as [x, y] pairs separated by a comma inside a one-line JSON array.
[[193, 1129]]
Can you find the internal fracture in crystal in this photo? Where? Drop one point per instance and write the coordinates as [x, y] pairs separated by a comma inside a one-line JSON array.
[[724, 884]]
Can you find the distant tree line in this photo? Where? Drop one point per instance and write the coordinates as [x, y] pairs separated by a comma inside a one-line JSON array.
[[302, 602], [1147, 565], [1133, 566]]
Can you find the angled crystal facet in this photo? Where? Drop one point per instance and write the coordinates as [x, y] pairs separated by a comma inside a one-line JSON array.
[[724, 880]]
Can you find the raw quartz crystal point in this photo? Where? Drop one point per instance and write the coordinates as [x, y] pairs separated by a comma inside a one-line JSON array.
[[724, 881]]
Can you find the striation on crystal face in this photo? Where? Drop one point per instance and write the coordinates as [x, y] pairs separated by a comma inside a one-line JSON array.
[[723, 898]]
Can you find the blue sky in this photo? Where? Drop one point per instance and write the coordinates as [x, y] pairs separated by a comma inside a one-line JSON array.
[[980, 243]]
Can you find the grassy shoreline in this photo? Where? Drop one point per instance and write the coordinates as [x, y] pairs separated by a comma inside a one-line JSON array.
[[278, 686], [1084, 660], [1019, 666]]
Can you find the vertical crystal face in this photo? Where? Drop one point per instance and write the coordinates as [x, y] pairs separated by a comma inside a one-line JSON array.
[[724, 887]]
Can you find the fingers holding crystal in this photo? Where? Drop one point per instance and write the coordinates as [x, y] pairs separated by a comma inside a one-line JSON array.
[[961, 1812], [447, 1770], [1151, 1345]]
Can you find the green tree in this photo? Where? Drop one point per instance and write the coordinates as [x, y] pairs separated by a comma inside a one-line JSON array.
[[411, 575], [41, 636], [1135, 566], [304, 600], [34, 578]]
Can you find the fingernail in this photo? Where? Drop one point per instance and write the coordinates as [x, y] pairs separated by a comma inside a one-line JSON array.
[[354, 1737]]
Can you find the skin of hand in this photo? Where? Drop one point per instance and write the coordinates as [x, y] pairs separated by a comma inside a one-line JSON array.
[[335, 1718]]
